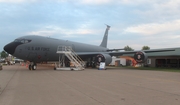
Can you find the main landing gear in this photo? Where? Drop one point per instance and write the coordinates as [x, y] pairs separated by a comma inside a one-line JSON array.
[[32, 66]]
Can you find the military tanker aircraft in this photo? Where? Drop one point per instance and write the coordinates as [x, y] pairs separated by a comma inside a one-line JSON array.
[[37, 49]]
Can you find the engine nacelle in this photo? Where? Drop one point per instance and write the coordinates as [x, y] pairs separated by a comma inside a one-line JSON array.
[[103, 58], [140, 57]]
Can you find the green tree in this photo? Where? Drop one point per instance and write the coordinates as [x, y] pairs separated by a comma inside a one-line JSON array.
[[127, 48], [4, 54], [145, 48]]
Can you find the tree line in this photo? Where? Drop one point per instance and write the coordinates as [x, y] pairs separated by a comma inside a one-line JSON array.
[[127, 48], [4, 54]]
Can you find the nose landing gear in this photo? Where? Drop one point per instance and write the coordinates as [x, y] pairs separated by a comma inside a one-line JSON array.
[[32, 66]]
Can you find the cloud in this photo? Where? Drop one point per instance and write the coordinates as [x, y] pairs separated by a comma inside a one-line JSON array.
[[16, 1], [154, 42], [160, 11], [133, 22], [96, 2], [127, 2], [154, 28], [55, 30], [11, 1], [142, 2]]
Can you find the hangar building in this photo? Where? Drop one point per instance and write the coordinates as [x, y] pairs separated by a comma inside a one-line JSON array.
[[163, 59]]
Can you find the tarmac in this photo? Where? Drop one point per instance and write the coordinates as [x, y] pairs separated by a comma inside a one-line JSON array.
[[114, 86]]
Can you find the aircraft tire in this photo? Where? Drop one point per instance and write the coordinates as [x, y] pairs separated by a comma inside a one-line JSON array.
[[34, 67], [30, 68]]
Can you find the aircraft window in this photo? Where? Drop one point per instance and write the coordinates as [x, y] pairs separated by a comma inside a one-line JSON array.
[[17, 40], [29, 40], [26, 41], [22, 41]]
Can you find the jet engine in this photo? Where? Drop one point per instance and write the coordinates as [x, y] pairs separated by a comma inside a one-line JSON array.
[[103, 58], [140, 57]]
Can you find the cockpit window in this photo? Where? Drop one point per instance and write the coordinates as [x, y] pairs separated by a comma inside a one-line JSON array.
[[25, 41], [16, 40], [22, 40]]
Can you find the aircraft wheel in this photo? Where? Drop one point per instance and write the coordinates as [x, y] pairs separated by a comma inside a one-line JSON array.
[[34, 67], [30, 68]]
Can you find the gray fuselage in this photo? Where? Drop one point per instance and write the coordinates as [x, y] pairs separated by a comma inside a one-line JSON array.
[[44, 48]]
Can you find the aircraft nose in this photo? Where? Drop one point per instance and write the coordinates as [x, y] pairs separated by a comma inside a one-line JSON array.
[[10, 48]]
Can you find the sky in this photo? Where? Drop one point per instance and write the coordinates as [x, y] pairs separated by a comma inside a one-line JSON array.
[[136, 23]]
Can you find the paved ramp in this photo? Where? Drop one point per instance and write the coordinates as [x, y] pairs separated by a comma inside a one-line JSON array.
[[19, 86]]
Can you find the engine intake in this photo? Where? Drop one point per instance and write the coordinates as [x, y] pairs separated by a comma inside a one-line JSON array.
[[103, 58], [140, 57]]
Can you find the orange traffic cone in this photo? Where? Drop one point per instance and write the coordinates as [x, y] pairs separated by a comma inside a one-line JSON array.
[[26, 65]]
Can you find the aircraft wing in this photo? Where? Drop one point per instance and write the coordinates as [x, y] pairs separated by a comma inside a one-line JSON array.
[[133, 52], [124, 52]]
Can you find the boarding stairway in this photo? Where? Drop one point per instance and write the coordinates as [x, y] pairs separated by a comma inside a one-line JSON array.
[[78, 63]]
